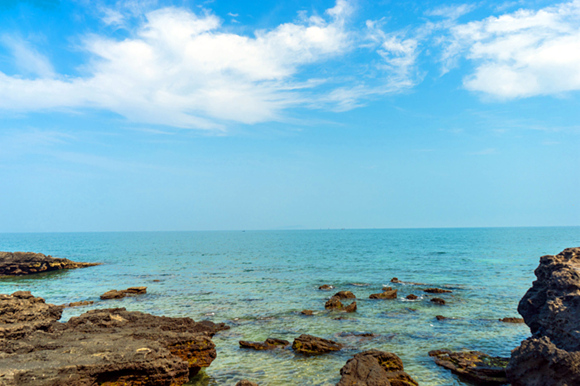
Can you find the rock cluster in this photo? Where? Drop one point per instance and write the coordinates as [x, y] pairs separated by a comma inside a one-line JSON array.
[[473, 366], [551, 308], [26, 263], [111, 346], [375, 368]]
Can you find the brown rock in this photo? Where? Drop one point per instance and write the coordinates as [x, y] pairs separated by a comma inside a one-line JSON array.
[[438, 301], [411, 297], [26, 263], [245, 382], [136, 290], [474, 366], [386, 294], [333, 303], [375, 368], [307, 312], [312, 345], [326, 287], [436, 291], [21, 314], [214, 328], [81, 303], [344, 295], [440, 317], [512, 320], [395, 280], [114, 294], [351, 307], [268, 344]]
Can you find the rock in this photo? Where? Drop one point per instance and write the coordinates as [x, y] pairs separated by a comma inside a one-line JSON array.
[[114, 294], [78, 304], [387, 288], [214, 327], [156, 281], [307, 312], [268, 344], [333, 303], [551, 308], [26, 263], [386, 294], [351, 307], [411, 297], [395, 280], [344, 295], [245, 382], [436, 291], [326, 287], [375, 368], [439, 301], [110, 346], [512, 320], [474, 366], [312, 345], [440, 317]]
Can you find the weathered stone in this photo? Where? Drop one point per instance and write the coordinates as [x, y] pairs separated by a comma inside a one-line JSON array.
[[474, 366], [512, 320], [111, 346], [312, 345], [388, 294], [438, 301], [351, 307], [411, 297], [436, 291], [387, 288], [268, 344], [334, 303], [26, 263], [551, 308], [326, 287], [375, 368], [136, 290], [344, 295]]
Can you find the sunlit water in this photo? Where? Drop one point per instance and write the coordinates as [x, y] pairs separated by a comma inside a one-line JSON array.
[[258, 282]]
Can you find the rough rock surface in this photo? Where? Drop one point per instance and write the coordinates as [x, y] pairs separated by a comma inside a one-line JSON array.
[[312, 345], [375, 368], [436, 291], [551, 308], [26, 263], [114, 294], [386, 294], [100, 346], [333, 303], [268, 344], [473, 366], [351, 307]]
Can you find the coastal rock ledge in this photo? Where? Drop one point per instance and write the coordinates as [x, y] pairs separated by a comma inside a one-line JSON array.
[[551, 308], [109, 346], [26, 263]]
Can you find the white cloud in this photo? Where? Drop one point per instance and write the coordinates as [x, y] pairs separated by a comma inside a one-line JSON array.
[[522, 54], [180, 69], [26, 58]]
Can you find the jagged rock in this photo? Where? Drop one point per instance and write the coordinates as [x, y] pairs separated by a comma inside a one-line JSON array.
[[386, 294], [438, 301], [245, 382], [326, 287], [268, 344], [375, 368], [307, 312], [474, 366], [26, 263], [114, 294], [333, 303], [351, 307], [512, 320], [312, 345], [111, 346], [551, 308], [436, 291], [78, 304], [411, 297], [344, 295]]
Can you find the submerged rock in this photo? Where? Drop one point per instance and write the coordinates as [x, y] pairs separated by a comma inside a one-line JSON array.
[[551, 308], [307, 312], [114, 294], [512, 320], [214, 327], [386, 294], [474, 366], [395, 280], [110, 346], [344, 295], [411, 297], [375, 368], [312, 345], [326, 287], [26, 263], [438, 301], [440, 317], [436, 291], [268, 344]]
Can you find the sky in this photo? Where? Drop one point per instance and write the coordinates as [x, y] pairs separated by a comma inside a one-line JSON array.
[[160, 115]]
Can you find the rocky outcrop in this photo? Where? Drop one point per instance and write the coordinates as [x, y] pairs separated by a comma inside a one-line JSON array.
[[351, 307], [114, 294], [312, 345], [551, 308], [436, 291], [110, 346], [473, 366], [26, 263], [268, 344], [375, 368], [334, 303]]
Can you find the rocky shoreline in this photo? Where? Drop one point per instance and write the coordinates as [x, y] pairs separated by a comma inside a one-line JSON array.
[[115, 346]]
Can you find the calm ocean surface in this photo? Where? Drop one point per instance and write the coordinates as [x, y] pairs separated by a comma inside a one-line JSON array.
[[259, 281]]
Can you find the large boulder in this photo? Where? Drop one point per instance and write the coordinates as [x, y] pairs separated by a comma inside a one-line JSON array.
[[100, 346], [375, 368], [551, 308], [474, 366], [26, 263], [312, 345]]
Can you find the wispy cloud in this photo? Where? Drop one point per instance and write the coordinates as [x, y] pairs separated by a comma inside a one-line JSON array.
[[26, 58]]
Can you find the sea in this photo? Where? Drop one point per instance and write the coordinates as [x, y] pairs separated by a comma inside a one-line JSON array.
[[258, 282]]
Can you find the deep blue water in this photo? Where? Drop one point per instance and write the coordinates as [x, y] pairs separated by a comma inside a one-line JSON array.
[[259, 281]]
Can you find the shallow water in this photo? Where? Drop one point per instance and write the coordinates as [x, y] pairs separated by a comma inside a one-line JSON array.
[[259, 281]]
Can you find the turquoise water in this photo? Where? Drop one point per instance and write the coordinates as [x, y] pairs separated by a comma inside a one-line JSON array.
[[259, 281]]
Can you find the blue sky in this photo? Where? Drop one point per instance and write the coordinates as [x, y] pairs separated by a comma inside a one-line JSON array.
[[216, 115]]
